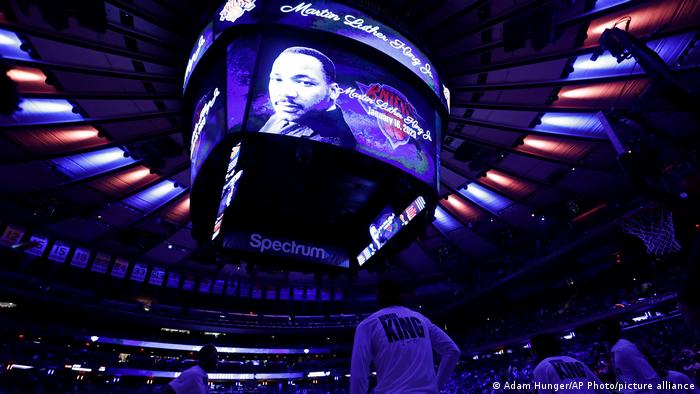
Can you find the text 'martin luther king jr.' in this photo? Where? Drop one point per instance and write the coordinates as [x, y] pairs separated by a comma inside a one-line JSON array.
[[303, 91]]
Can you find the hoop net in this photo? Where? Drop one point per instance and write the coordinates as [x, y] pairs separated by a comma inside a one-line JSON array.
[[655, 228]]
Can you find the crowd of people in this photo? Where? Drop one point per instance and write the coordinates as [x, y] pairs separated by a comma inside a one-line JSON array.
[[667, 345]]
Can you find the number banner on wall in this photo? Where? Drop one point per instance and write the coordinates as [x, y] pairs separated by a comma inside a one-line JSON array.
[[59, 252], [12, 235], [81, 257], [138, 274], [121, 265], [101, 263]]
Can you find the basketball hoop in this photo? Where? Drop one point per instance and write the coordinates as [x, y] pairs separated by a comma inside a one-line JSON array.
[[654, 227]]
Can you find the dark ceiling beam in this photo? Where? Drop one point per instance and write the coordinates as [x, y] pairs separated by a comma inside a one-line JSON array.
[[454, 16], [181, 12], [420, 9], [131, 33], [90, 178], [412, 274], [124, 196], [580, 18], [520, 107], [588, 16], [114, 229], [109, 144], [436, 262], [490, 212], [568, 193], [95, 120], [105, 95], [87, 44], [550, 83], [456, 194], [148, 17], [511, 150], [534, 58], [165, 237], [521, 130], [566, 81], [176, 170], [105, 72], [512, 12]]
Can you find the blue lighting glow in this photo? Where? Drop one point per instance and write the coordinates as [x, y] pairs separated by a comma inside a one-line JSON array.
[[154, 196], [10, 46], [574, 124], [669, 49], [485, 198], [196, 348], [212, 376], [603, 4], [444, 221], [92, 163], [39, 110]]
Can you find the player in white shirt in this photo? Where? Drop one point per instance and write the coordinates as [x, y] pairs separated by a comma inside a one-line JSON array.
[[681, 380], [400, 342], [630, 364], [555, 370], [674, 382], [195, 380]]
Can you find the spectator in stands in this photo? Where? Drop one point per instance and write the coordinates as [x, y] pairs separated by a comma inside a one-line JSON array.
[[400, 342], [628, 361], [555, 369], [195, 380], [682, 381]]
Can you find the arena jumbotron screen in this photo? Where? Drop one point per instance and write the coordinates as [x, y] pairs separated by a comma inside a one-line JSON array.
[[309, 93]]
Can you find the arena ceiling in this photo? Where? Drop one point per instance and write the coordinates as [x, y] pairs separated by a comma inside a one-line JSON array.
[[96, 158]]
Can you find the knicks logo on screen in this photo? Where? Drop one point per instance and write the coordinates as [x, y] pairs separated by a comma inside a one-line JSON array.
[[234, 9], [391, 109]]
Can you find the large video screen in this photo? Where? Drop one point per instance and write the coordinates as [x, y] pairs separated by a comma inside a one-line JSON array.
[[208, 125], [322, 71], [313, 90], [386, 225], [329, 16]]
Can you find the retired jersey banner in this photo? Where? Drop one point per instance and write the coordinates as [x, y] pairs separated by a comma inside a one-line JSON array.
[[59, 252], [12, 235], [205, 285], [121, 265], [188, 283], [101, 263], [81, 257], [40, 245], [218, 287], [231, 288], [157, 276], [138, 274], [173, 280]]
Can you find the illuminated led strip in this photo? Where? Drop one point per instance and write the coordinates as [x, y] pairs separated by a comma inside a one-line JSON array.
[[195, 348], [11, 46], [19, 366], [212, 376], [485, 198]]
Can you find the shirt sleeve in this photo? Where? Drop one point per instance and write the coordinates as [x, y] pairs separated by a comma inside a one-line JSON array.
[[541, 375], [185, 383], [361, 359], [448, 351]]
